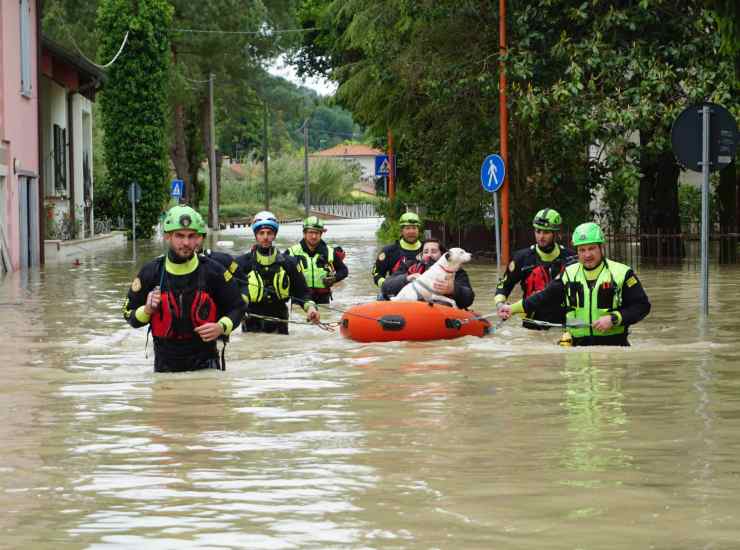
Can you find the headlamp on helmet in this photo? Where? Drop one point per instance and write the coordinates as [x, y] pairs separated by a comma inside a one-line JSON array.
[[409, 218], [183, 217], [313, 222], [547, 219]]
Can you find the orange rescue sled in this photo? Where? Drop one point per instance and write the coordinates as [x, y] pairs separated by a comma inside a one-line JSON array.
[[389, 321]]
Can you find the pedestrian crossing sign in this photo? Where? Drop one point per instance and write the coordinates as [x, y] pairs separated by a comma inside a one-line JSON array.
[[177, 189], [382, 166]]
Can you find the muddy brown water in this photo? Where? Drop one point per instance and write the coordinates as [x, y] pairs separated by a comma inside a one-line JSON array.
[[313, 441]]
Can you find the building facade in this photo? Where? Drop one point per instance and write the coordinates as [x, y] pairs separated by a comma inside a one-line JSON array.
[[20, 182]]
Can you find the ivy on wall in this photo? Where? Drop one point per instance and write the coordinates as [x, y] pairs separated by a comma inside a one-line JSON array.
[[134, 104]]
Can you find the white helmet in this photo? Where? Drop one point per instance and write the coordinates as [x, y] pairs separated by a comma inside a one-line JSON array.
[[265, 219]]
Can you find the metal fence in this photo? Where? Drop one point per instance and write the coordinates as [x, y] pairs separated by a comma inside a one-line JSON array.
[[347, 210]]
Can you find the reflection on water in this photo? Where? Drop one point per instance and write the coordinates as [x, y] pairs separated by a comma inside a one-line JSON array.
[[313, 441]]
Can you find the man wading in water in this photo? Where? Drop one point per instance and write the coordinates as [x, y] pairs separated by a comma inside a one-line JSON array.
[[188, 300]]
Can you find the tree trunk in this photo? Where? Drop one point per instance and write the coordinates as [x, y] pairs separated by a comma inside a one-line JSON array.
[[727, 205], [660, 225], [205, 128], [520, 195], [179, 153]]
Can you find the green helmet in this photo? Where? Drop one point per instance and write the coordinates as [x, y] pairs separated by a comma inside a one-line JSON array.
[[203, 228], [313, 222], [547, 219], [183, 217], [409, 218], [587, 233]]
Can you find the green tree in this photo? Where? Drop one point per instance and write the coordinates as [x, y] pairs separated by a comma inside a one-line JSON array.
[[133, 106], [582, 75]]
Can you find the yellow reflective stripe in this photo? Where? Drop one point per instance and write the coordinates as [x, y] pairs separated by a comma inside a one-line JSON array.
[[407, 246], [281, 283], [233, 267], [500, 298], [266, 260], [380, 281], [141, 315], [548, 256], [619, 322], [184, 268], [227, 324], [255, 287], [517, 307]]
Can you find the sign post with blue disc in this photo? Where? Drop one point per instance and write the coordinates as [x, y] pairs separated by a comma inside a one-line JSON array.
[[492, 173]]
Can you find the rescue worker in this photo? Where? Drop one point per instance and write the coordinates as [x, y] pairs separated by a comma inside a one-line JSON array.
[[226, 260], [271, 279], [322, 265], [431, 251], [401, 252], [535, 266], [188, 300], [603, 298]]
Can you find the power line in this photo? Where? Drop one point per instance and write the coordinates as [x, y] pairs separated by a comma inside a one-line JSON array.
[[79, 51], [266, 32]]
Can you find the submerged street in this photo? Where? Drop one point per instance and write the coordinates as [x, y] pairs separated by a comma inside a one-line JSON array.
[[315, 441]]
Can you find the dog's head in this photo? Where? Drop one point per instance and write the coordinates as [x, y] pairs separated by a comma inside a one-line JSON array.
[[455, 257]]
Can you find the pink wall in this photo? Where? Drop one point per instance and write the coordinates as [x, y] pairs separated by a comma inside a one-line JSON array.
[[18, 114]]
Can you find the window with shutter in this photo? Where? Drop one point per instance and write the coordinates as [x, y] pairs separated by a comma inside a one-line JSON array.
[[25, 35]]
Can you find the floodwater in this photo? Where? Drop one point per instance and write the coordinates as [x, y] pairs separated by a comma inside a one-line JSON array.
[[313, 441]]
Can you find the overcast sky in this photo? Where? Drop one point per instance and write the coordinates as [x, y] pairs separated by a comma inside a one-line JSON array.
[[322, 86]]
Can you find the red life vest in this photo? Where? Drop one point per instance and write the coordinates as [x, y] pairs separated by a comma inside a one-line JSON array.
[[168, 320], [418, 267], [536, 281]]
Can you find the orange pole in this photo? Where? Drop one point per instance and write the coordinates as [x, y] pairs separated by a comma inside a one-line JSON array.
[[392, 166], [504, 131]]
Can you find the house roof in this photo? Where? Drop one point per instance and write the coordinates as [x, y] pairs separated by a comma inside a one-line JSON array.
[[347, 150], [90, 75]]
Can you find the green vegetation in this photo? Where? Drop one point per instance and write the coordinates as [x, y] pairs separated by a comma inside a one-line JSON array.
[[134, 105], [242, 196], [593, 88]]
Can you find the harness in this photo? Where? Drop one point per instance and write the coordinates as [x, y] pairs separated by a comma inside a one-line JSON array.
[[173, 320], [268, 283], [540, 274]]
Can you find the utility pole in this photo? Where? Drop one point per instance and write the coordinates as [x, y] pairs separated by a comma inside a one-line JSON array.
[[391, 167], [265, 150], [306, 189], [504, 132], [212, 154]]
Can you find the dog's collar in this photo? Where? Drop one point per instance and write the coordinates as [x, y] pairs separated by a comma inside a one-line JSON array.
[[447, 270]]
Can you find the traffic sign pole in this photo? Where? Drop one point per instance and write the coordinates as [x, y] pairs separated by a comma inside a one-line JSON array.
[[133, 225], [705, 211], [717, 129], [498, 236]]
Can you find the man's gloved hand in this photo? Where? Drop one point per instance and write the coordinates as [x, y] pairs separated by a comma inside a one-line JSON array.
[[312, 315], [329, 280]]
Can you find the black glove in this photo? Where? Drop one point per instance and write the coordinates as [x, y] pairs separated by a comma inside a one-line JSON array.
[[329, 280]]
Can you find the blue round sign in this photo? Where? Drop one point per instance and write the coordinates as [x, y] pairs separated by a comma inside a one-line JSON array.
[[492, 173]]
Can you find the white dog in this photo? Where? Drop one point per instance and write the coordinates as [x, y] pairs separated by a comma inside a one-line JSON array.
[[443, 271]]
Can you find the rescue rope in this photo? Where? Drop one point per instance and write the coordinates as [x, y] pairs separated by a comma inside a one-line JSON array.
[[329, 327], [568, 324]]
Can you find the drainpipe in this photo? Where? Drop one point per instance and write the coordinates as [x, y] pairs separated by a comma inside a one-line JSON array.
[[40, 168], [71, 165]]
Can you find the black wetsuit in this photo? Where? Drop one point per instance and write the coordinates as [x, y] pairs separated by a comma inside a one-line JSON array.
[[177, 347], [271, 279]]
